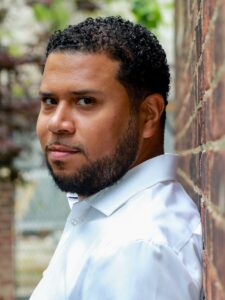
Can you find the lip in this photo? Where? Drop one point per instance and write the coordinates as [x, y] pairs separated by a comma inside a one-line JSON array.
[[58, 152]]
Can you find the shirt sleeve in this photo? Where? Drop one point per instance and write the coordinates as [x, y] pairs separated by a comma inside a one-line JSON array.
[[138, 271]]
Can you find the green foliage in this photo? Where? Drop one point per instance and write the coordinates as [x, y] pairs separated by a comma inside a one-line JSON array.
[[147, 12], [17, 91], [15, 50], [170, 5], [56, 15], [3, 13]]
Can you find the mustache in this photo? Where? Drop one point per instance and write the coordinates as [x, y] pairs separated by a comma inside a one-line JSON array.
[[67, 146]]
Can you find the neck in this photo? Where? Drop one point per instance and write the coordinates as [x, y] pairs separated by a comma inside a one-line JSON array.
[[147, 150]]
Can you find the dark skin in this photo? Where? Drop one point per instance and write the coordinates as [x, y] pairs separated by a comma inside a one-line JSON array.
[[84, 107], [151, 144]]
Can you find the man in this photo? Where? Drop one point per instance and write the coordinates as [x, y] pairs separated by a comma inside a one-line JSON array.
[[133, 233]]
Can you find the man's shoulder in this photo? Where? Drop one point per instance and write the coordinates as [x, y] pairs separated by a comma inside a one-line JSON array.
[[163, 214]]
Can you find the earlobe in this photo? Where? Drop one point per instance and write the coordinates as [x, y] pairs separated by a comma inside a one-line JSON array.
[[153, 107]]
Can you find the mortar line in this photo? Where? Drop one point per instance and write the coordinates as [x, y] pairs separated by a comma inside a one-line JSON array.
[[206, 96], [189, 122], [212, 208], [214, 146]]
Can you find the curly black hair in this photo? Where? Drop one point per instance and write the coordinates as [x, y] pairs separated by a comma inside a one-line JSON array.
[[143, 65]]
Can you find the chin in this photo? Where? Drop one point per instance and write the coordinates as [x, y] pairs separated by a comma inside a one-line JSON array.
[[65, 173]]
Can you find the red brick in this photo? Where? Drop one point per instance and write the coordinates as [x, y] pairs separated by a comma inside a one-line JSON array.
[[208, 10], [218, 251], [207, 64], [219, 34], [216, 180], [214, 112]]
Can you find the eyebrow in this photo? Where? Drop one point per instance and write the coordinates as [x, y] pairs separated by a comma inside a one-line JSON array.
[[45, 94], [85, 92], [76, 93]]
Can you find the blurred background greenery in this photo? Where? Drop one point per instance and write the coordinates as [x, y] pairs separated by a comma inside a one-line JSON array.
[[25, 26]]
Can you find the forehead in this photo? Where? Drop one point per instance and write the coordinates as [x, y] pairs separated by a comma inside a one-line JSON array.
[[78, 67]]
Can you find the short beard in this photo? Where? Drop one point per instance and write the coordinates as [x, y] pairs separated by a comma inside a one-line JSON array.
[[105, 171]]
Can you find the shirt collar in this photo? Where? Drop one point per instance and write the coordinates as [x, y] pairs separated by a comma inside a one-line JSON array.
[[72, 199], [158, 169]]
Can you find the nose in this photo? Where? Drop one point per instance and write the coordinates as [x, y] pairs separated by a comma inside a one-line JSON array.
[[61, 120]]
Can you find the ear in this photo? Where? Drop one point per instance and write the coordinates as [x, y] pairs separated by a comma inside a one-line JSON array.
[[152, 108]]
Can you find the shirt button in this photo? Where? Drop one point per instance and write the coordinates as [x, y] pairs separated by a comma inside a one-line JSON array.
[[74, 222]]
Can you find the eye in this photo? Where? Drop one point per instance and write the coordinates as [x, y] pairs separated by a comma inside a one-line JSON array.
[[85, 101], [48, 101]]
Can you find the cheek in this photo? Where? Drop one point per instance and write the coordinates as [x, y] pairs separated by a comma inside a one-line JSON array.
[[102, 138], [41, 130]]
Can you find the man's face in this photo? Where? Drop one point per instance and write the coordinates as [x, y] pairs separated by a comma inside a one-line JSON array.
[[85, 125]]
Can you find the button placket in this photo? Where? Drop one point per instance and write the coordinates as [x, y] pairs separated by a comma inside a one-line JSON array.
[[79, 210]]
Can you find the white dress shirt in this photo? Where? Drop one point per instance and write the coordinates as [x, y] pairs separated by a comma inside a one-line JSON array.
[[136, 240]]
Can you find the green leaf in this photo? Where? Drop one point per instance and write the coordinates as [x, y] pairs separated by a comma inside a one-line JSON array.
[[56, 15], [17, 91], [14, 50], [147, 12], [41, 12]]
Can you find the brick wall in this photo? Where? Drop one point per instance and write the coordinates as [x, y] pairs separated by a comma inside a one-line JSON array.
[[200, 125], [6, 241]]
